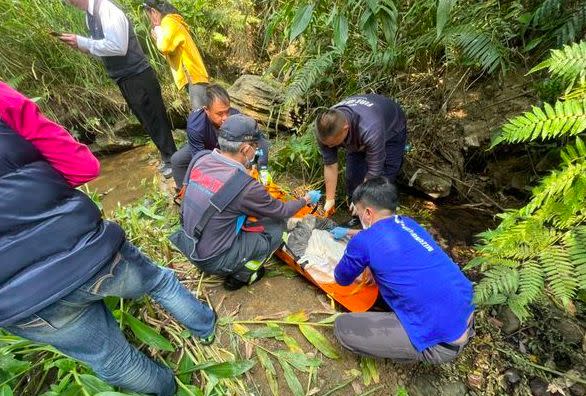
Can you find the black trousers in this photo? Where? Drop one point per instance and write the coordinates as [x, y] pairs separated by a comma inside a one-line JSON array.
[[143, 95]]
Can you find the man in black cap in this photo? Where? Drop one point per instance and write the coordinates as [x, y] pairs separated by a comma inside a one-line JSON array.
[[220, 196]]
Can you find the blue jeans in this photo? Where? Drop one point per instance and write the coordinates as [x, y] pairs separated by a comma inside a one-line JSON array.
[[81, 326]]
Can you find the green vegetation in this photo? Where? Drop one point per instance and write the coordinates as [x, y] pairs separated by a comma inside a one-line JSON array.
[[540, 249], [322, 51]]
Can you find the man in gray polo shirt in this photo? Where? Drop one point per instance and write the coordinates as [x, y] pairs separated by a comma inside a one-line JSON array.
[[224, 244]]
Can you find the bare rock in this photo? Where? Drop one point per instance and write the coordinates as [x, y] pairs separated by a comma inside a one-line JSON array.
[[512, 376], [422, 386], [435, 184], [578, 390], [570, 331], [110, 144], [538, 387], [510, 322], [262, 99], [453, 389]]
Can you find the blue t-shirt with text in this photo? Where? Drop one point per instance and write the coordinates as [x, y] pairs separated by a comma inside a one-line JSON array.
[[423, 286]]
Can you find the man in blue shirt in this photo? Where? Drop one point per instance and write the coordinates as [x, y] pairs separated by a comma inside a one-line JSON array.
[[373, 130], [430, 298], [203, 129]]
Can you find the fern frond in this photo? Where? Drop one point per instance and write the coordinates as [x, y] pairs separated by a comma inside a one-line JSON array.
[[498, 281], [568, 63], [576, 244], [546, 11], [531, 281], [559, 273], [565, 118], [308, 75], [478, 46], [573, 26], [554, 187]]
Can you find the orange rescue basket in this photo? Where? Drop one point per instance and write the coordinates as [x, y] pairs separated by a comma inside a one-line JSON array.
[[357, 297]]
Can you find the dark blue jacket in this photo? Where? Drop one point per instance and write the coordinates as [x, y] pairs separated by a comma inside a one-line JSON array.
[[374, 121], [202, 135], [52, 237]]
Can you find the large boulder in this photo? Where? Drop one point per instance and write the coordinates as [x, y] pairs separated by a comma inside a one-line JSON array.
[[262, 99]]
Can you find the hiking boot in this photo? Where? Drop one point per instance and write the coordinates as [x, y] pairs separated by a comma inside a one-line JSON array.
[[209, 340]]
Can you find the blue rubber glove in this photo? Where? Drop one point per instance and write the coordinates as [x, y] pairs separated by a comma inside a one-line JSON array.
[[314, 196], [339, 232]]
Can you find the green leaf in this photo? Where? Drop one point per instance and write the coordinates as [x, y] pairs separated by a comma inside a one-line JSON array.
[[369, 25], [185, 366], [147, 334], [444, 9], [93, 384], [265, 332], [319, 341], [189, 390], [299, 360], [301, 21], [5, 390], [112, 394], [270, 371], [229, 369], [291, 378], [330, 319], [11, 365], [296, 317], [72, 390], [340, 31]]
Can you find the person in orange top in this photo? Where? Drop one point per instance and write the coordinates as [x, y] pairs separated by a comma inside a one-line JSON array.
[[171, 34]]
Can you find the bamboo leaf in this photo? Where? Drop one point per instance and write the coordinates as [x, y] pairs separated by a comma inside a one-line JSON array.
[[94, 384], [299, 360], [185, 366], [265, 332], [5, 390], [319, 341], [340, 31], [147, 334], [301, 21], [444, 9], [291, 379], [229, 369], [300, 316], [270, 371]]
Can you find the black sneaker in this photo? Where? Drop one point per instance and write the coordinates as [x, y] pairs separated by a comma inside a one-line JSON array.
[[354, 222], [231, 283]]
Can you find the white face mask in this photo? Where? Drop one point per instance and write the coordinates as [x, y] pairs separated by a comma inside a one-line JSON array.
[[364, 226]]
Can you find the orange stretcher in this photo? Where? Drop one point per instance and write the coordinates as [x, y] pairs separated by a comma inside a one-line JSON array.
[[357, 297]]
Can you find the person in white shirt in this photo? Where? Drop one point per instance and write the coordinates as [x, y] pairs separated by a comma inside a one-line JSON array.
[[112, 38]]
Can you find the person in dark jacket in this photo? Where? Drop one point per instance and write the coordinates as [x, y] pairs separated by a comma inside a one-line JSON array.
[[114, 41], [372, 129], [202, 133], [60, 259], [227, 246], [430, 298]]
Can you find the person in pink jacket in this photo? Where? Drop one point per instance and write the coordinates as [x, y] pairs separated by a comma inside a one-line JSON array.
[[59, 259]]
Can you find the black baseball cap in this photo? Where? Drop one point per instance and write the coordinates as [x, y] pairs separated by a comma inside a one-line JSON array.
[[240, 128]]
